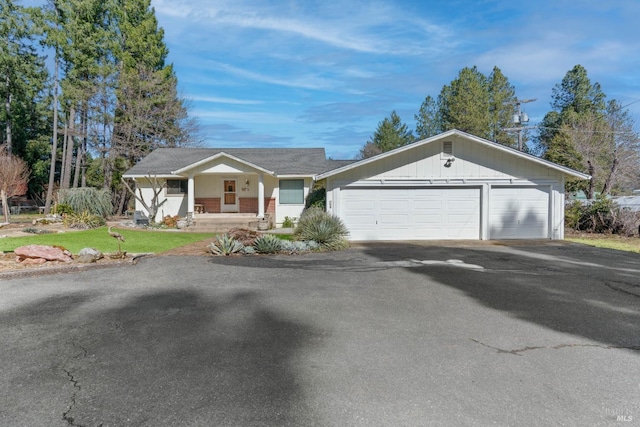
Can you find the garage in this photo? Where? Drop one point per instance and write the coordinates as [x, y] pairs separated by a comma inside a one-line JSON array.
[[411, 213], [451, 186], [519, 213]]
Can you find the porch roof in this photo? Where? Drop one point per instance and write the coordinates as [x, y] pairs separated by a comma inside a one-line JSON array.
[[280, 161]]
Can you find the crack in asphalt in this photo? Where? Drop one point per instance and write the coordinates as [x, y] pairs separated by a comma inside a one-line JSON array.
[[619, 286], [76, 385], [519, 351]]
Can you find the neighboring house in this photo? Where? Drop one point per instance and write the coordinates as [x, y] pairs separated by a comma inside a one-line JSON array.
[[262, 181], [451, 186], [631, 203]]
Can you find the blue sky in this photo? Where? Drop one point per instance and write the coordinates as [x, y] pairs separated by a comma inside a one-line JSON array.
[[312, 73]]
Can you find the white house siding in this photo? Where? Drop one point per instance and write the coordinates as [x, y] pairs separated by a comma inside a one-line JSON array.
[[176, 204], [476, 166]]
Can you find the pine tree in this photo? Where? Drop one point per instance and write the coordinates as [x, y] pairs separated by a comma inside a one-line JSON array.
[[575, 95], [428, 120], [502, 98], [465, 103], [391, 133]]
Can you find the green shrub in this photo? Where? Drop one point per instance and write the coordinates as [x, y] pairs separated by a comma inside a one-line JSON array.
[[267, 244], [601, 216], [288, 222], [83, 221], [327, 230], [225, 245], [316, 198], [62, 209], [92, 200]]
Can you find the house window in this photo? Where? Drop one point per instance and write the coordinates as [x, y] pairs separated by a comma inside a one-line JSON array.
[[177, 186], [291, 191]]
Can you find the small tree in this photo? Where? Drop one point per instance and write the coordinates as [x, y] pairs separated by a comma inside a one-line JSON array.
[[153, 207], [14, 176]]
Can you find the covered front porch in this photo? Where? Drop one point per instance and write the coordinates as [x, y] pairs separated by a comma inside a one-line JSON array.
[[245, 193]]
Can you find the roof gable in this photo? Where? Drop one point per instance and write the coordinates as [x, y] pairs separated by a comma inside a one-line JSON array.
[[404, 155]]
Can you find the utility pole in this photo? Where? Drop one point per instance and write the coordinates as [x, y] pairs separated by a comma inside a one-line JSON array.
[[520, 119]]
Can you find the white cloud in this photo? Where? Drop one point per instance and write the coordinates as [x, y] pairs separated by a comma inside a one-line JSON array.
[[308, 81], [220, 100], [241, 117]]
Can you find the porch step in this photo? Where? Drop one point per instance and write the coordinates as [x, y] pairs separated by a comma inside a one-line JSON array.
[[222, 223]]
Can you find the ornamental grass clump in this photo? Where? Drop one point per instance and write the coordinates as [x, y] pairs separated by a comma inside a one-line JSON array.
[[225, 245], [323, 228], [84, 220], [92, 200]]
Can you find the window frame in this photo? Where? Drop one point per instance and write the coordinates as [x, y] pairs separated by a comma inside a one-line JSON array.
[[182, 188], [287, 200]]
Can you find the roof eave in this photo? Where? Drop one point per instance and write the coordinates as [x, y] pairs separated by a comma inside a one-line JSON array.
[[146, 175]]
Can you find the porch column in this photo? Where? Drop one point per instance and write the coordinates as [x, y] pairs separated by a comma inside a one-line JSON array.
[[260, 195], [190, 196]]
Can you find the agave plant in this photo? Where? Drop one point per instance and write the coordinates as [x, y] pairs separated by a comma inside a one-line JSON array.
[[268, 244], [225, 245]]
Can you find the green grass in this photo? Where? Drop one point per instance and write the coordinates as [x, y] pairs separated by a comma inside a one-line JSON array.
[[136, 241], [629, 244]]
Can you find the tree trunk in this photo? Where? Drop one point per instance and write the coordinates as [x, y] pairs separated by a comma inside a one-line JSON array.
[[608, 183], [123, 201], [63, 166], [68, 161], [54, 144], [7, 106], [5, 206], [592, 181]]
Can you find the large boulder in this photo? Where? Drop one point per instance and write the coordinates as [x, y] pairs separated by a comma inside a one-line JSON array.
[[48, 253]]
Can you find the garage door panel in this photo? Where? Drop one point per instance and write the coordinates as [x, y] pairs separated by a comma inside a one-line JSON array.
[[391, 220], [519, 213], [386, 205], [413, 213]]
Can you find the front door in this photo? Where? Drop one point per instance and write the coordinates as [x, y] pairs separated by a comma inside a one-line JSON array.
[[229, 196]]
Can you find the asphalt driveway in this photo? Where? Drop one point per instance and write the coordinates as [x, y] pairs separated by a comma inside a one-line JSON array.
[[380, 334]]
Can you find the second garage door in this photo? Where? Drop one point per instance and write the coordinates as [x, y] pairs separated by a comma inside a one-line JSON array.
[[519, 213], [411, 213]]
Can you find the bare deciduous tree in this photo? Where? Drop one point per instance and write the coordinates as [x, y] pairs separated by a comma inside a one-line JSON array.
[[14, 176], [152, 207]]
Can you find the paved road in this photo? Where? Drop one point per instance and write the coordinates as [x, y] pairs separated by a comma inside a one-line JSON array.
[[412, 334]]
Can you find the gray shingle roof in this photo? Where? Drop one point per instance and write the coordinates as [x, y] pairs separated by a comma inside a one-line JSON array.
[[282, 161]]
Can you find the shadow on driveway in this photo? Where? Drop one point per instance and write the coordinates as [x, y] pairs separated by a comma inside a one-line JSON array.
[[575, 289], [570, 288], [166, 357]]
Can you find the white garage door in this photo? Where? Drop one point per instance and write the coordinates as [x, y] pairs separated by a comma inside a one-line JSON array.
[[411, 213], [519, 213]]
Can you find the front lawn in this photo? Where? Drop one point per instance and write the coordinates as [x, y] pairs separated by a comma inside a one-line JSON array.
[[609, 241], [136, 241]]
